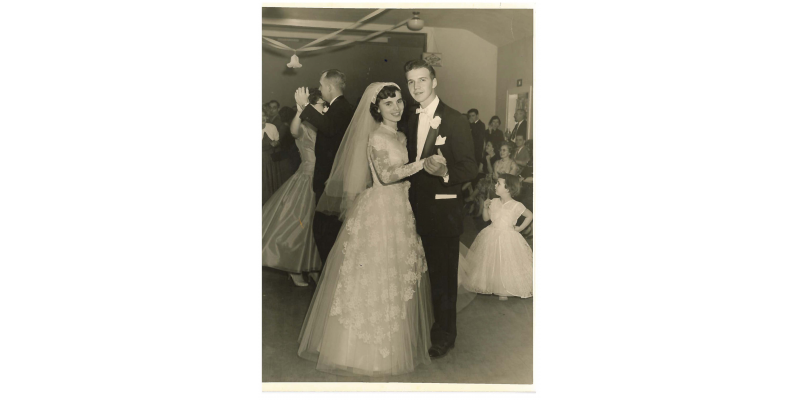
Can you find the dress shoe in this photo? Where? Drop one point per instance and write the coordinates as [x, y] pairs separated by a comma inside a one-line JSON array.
[[297, 279], [440, 349]]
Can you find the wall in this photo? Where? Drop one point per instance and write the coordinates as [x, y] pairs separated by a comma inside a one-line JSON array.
[[514, 61], [467, 79]]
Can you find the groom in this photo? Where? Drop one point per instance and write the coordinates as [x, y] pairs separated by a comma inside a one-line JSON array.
[[435, 128]]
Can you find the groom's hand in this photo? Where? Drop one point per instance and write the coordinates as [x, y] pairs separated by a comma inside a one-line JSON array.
[[436, 165]]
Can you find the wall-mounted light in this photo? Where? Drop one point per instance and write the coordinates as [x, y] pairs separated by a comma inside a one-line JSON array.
[[415, 23]]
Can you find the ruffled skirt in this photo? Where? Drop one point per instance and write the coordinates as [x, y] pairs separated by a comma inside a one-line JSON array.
[[499, 262]]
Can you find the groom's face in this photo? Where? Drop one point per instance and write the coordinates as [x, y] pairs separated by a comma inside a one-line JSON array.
[[421, 85]]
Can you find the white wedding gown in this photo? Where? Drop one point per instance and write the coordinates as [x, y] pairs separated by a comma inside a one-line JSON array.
[[371, 313]]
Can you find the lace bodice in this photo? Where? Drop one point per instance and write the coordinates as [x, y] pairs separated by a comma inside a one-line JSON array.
[[504, 216], [389, 157]]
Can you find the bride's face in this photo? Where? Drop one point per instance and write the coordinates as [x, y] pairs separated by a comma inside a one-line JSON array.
[[391, 108]]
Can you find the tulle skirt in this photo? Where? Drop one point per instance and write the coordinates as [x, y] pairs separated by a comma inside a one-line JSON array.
[[371, 313], [288, 240], [499, 262]]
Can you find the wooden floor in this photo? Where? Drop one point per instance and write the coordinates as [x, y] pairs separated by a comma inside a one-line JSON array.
[[494, 344]]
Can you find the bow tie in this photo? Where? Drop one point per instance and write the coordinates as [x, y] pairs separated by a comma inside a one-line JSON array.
[[423, 114]]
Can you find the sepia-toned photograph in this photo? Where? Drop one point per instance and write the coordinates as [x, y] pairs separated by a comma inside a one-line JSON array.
[[398, 195]]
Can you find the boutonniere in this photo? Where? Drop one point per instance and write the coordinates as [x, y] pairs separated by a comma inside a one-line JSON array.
[[436, 122]]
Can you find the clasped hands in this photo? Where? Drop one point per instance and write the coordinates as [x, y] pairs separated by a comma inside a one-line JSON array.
[[436, 164], [301, 96]]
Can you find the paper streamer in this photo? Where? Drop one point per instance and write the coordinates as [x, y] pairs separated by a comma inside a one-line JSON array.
[[278, 45]]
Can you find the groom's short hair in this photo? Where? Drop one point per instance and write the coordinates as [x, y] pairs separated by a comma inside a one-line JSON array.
[[336, 77], [417, 64]]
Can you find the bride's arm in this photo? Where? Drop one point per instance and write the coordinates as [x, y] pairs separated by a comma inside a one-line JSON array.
[[387, 173]]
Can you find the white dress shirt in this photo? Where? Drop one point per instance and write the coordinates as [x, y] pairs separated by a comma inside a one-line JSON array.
[[425, 124]]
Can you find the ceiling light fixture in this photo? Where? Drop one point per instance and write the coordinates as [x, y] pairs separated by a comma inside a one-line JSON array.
[[415, 23]]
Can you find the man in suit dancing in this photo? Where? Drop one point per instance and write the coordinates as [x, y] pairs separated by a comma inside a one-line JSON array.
[[435, 196], [330, 130]]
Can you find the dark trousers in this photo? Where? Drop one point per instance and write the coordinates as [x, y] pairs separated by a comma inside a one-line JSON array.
[[441, 254], [326, 229]]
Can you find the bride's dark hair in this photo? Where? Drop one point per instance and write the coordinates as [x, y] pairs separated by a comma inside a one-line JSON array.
[[385, 93]]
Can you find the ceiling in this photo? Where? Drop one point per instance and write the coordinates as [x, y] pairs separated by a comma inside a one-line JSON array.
[[497, 26]]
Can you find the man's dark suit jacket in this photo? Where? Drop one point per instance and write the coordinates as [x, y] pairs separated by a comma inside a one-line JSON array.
[[441, 217], [522, 129], [478, 138], [330, 130]]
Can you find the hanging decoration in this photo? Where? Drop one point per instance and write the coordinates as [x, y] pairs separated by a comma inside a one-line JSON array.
[[432, 59], [294, 61]]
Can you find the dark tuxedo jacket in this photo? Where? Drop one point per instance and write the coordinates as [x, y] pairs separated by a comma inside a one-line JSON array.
[[330, 130], [441, 217], [478, 138], [522, 130]]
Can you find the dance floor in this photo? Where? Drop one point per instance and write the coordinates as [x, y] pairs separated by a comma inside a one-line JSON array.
[[494, 343]]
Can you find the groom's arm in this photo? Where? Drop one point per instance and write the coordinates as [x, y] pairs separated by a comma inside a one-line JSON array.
[[460, 156]]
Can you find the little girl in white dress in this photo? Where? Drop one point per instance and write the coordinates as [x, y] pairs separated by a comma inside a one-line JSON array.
[[500, 261]]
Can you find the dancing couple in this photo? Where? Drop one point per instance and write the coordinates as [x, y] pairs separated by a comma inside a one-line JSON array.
[[386, 299]]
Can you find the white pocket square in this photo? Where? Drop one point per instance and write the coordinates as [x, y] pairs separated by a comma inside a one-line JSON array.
[[440, 140], [445, 196]]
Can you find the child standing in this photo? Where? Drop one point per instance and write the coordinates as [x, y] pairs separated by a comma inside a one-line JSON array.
[[500, 261]]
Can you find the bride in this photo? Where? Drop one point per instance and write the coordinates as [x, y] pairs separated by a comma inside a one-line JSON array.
[[371, 313]]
